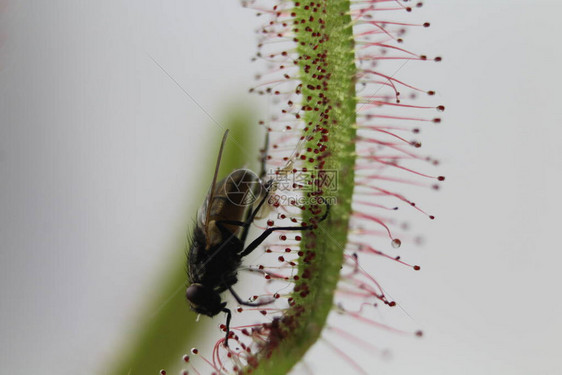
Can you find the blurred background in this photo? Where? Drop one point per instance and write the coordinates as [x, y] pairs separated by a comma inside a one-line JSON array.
[[110, 115]]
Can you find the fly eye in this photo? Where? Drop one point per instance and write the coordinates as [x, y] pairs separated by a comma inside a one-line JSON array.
[[195, 293]]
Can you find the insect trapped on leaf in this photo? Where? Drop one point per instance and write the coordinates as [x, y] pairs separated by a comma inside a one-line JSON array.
[[218, 241]]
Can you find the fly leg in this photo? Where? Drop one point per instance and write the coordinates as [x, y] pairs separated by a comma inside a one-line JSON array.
[[229, 313], [255, 243], [228, 317], [242, 302], [246, 224], [263, 156]]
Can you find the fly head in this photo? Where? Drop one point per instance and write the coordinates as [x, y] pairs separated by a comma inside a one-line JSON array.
[[204, 300]]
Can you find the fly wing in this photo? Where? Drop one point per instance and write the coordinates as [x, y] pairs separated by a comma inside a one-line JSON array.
[[202, 212], [233, 199], [206, 209]]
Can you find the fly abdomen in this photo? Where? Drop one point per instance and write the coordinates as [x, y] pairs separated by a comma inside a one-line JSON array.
[[234, 198], [218, 264]]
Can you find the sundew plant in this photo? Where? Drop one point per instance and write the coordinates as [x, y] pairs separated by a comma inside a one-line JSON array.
[[343, 141]]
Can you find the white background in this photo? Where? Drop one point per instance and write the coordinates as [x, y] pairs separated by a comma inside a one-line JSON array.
[[99, 152]]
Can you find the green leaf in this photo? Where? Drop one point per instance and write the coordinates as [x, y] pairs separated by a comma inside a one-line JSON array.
[[325, 41]]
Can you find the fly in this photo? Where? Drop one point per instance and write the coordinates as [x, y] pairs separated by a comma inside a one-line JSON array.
[[218, 242]]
